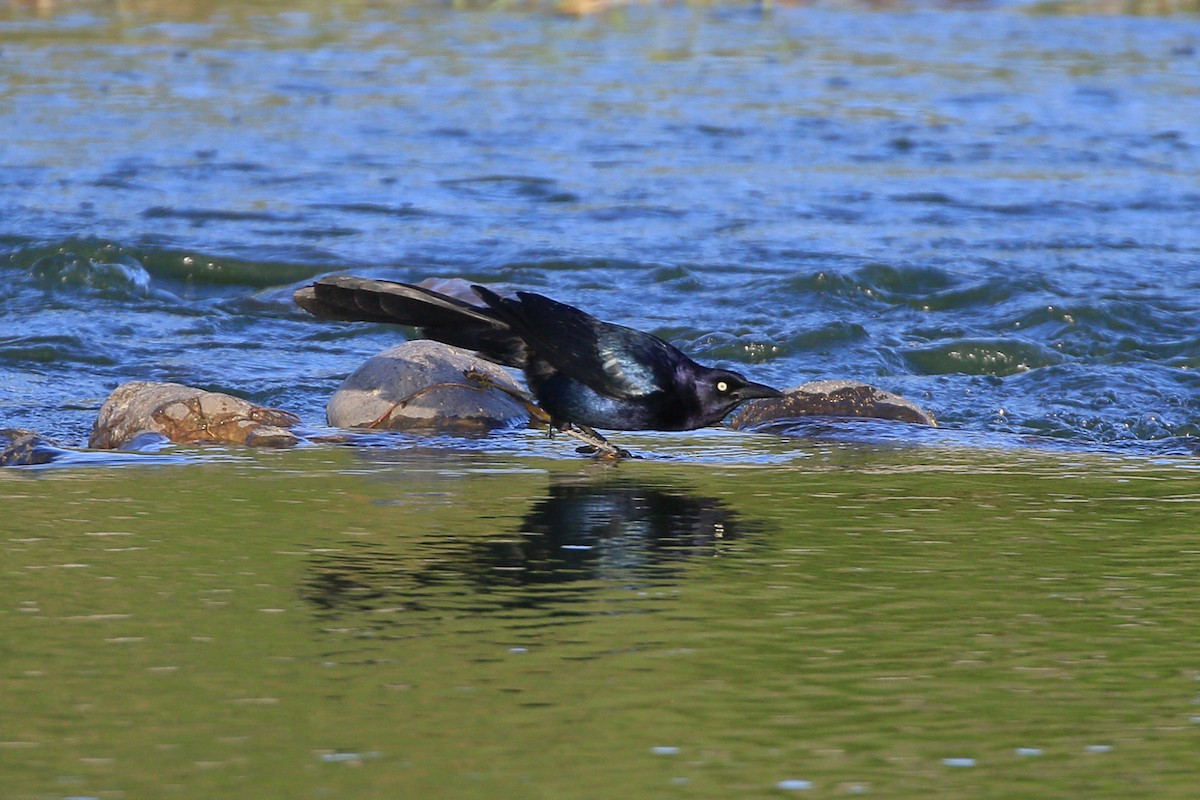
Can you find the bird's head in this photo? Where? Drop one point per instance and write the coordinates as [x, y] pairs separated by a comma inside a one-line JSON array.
[[720, 390]]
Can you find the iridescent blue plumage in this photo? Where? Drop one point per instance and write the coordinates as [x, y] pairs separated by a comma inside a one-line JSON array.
[[581, 370]]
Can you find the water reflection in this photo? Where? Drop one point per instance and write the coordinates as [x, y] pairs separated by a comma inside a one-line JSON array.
[[580, 539], [622, 532]]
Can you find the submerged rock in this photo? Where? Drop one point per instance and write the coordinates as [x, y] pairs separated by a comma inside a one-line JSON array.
[[831, 399], [22, 448], [187, 414], [422, 385]]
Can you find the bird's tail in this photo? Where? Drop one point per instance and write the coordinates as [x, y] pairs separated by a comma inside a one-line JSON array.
[[440, 317]]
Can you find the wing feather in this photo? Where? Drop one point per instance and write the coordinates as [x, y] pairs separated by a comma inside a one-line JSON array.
[[613, 360], [441, 317]]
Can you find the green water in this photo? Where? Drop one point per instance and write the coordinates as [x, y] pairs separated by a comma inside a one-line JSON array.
[[859, 620]]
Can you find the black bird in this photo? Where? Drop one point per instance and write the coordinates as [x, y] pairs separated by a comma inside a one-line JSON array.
[[581, 370]]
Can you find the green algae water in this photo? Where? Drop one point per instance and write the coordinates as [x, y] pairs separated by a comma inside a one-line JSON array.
[[894, 622]]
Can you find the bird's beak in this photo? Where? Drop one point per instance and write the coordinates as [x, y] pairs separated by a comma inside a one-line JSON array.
[[754, 391]]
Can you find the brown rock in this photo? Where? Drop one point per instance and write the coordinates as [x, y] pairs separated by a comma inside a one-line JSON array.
[[831, 399], [186, 414]]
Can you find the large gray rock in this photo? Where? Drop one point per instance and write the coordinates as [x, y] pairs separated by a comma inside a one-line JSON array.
[[831, 399], [187, 414], [421, 385]]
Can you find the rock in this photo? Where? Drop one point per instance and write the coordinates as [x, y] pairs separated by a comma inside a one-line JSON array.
[[420, 385], [186, 414], [22, 448], [831, 399]]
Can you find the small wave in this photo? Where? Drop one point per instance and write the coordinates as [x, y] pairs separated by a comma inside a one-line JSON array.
[[118, 270], [200, 216], [106, 271], [824, 338], [679, 278], [26, 350], [1167, 435], [925, 288], [532, 272], [375, 209], [634, 211], [1049, 209], [719, 346], [525, 187], [981, 357], [1116, 331]]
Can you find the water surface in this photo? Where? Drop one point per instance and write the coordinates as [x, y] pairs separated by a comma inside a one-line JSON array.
[[866, 621]]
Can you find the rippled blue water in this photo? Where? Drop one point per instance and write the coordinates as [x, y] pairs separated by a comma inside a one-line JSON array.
[[991, 211]]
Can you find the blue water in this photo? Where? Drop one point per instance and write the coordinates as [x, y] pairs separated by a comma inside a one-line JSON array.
[[992, 211]]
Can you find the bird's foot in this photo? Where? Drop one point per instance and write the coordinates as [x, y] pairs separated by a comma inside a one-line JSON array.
[[595, 444], [613, 454]]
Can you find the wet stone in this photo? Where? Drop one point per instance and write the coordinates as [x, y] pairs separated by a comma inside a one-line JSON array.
[[22, 448], [187, 414], [423, 385], [837, 398]]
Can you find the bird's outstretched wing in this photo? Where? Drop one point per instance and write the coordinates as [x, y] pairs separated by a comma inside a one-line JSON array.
[[441, 317], [613, 360]]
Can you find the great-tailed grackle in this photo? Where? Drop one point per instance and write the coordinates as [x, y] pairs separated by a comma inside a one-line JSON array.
[[581, 370]]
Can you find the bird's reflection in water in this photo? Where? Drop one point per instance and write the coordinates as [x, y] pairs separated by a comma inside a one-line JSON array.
[[621, 532], [579, 539]]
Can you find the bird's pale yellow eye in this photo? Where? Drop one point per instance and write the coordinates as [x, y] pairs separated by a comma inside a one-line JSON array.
[[722, 387]]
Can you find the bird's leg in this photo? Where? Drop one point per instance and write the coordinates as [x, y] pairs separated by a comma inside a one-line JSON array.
[[594, 441]]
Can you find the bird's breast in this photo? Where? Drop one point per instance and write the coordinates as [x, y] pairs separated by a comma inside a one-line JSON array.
[[567, 400]]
